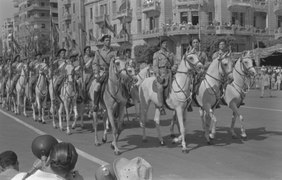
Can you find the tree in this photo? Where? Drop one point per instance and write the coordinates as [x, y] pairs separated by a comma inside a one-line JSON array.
[[145, 53]]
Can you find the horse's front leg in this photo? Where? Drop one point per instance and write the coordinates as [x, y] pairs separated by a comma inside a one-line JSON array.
[[60, 115], [181, 121], [67, 110], [24, 106], [121, 112], [157, 122], [114, 130], [236, 115], [43, 110], [95, 127], [213, 127], [172, 124], [75, 113], [18, 103]]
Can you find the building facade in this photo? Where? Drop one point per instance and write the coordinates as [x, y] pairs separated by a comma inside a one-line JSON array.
[[33, 20], [6, 34], [250, 22], [71, 23]]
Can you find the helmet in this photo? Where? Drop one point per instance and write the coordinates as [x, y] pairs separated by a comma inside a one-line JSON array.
[[42, 145], [105, 172]]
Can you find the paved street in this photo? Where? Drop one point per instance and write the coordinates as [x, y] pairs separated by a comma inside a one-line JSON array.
[[260, 157]]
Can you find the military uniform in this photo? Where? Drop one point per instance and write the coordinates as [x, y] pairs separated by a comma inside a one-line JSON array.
[[100, 66], [59, 67], [163, 63], [15, 73]]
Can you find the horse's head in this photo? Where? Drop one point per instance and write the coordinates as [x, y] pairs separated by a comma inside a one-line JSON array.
[[192, 62], [43, 69], [225, 65], [118, 67], [246, 64], [70, 72], [132, 72]]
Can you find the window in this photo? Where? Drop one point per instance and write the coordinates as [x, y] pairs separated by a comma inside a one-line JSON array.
[[242, 19], [43, 26], [210, 18], [54, 5], [67, 25], [73, 8], [184, 17], [42, 4], [90, 32], [91, 13], [255, 19], [139, 26], [73, 26], [152, 23], [195, 18], [101, 10], [139, 3], [115, 28], [54, 14], [42, 14]]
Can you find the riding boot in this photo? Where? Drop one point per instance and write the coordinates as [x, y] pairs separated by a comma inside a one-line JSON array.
[[161, 99], [96, 101], [189, 108]]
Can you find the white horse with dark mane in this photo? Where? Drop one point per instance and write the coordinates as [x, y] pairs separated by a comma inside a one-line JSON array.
[[209, 92], [177, 99], [20, 87], [243, 74]]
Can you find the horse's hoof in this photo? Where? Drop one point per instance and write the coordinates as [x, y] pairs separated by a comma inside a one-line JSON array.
[[104, 140], [97, 144], [234, 136], [211, 137], [172, 136], [244, 138], [144, 140], [117, 153], [162, 143], [43, 122], [210, 142], [73, 126], [55, 127], [112, 147], [185, 151]]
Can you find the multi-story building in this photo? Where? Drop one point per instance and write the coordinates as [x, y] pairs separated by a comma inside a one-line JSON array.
[[251, 22], [33, 19], [6, 34], [71, 23]]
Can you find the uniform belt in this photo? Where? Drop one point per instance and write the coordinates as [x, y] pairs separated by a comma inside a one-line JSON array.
[[161, 67]]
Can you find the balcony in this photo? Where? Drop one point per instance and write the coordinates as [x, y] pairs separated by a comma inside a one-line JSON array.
[[152, 6], [100, 19], [260, 32], [236, 5], [38, 18], [126, 14], [261, 6], [147, 34], [66, 17], [278, 7], [243, 30], [224, 30], [122, 38], [37, 7], [181, 29], [184, 4], [278, 33]]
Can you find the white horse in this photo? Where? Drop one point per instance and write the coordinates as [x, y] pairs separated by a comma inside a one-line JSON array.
[[68, 97], [177, 99], [41, 91], [243, 73], [114, 100], [20, 86], [209, 92]]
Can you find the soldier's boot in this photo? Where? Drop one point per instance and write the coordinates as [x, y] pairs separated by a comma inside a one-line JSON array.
[[161, 99], [242, 103], [96, 101], [190, 108]]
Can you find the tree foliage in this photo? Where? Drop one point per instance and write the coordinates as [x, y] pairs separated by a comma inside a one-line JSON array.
[[145, 53]]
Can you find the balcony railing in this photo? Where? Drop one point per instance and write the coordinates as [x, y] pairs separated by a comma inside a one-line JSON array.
[[37, 7], [181, 29], [66, 2], [189, 2], [37, 18], [260, 6], [224, 30], [126, 13], [239, 4], [278, 7], [120, 38], [151, 5]]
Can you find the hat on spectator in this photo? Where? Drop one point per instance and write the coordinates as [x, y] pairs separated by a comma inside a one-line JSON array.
[[102, 39], [42, 145], [58, 53]]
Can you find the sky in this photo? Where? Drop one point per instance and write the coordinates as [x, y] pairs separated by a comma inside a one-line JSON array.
[[6, 10]]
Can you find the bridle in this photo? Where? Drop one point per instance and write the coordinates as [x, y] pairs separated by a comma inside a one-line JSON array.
[[42, 72], [71, 83]]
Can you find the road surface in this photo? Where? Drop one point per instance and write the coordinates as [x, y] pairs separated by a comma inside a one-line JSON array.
[[260, 157]]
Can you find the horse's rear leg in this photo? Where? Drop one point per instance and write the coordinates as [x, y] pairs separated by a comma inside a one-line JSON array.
[[157, 122], [114, 144], [172, 124], [68, 111], [236, 114], [60, 116], [24, 106], [43, 111]]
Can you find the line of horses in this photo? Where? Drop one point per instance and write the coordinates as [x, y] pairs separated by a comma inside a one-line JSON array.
[[124, 83]]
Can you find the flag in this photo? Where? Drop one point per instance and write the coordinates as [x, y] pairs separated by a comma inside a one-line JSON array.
[[124, 28], [108, 25], [54, 36], [91, 36]]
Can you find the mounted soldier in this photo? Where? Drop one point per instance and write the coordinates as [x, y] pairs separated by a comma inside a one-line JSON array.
[[34, 72], [15, 72], [222, 48], [88, 59], [164, 62], [58, 65], [101, 65]]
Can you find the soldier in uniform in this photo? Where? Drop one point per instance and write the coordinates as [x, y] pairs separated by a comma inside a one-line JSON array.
[[15, 71], [87, 62], [163, 63], [101, 66], [34, 72], [59, 64], [222, 49], [203, 58]]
